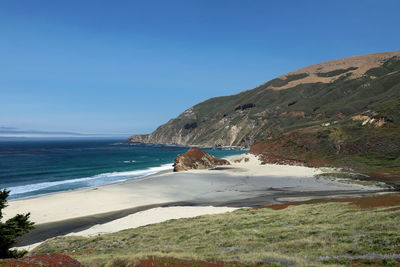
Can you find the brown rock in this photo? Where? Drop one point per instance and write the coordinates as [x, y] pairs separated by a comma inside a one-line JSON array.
[[294, 113], [340, 115], [360, 118], [319, 116], [194, 158]]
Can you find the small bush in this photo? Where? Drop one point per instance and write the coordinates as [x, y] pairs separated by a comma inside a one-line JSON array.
[[389, 262], [190, 126], [245, 106]]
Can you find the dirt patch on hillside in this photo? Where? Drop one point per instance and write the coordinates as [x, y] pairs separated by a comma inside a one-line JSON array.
[[361, 63]]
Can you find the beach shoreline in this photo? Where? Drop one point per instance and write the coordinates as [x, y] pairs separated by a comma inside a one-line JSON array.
[[244, 183], [91, 187]]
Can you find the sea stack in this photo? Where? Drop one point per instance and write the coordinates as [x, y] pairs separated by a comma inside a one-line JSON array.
[[194, 158]]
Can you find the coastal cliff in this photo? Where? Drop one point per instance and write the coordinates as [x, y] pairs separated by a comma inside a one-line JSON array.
[[332, 91]]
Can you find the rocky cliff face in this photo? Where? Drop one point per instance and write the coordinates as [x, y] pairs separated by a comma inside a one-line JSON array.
[[194, 158], [321, 93]]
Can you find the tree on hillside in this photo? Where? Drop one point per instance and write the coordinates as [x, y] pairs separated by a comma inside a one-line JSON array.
[[12, 228]]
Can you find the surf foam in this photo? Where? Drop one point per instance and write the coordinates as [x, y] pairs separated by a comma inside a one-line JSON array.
[[96, 180]]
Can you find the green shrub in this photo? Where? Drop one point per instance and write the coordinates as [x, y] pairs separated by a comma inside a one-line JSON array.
[[11, 229], [389, 262]]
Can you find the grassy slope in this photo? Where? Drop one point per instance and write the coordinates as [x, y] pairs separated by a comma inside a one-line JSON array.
[[318, 101], [306, 235], [346, 96]]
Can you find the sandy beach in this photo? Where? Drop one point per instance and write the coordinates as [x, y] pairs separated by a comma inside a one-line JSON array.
[[242, 184]]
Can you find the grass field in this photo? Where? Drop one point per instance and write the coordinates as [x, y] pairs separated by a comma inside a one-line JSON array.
[[366, 231]]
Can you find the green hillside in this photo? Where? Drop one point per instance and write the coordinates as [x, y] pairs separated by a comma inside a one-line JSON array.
[[293, 101]]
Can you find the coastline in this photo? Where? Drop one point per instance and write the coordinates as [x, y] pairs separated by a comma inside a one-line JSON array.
[[92, 187], [105, 164], [245, 183], [146, 173]]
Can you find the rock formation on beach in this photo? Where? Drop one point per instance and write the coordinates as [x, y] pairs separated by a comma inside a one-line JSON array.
[[194, 158]]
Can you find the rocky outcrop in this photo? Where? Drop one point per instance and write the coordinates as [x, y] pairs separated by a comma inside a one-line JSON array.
[[194, 158], [377, 122], [332, 90]]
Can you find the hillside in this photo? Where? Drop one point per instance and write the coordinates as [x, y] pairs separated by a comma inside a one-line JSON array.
[[368, 143], [344, 232], [333, 91]]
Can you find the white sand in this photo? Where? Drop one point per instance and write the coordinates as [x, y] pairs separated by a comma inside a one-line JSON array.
[[143, 218], [28, 247], [250, 164], [152, 216], [241, 180]]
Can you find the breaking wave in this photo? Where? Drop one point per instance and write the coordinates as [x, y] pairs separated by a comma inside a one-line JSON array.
[[96, 180]]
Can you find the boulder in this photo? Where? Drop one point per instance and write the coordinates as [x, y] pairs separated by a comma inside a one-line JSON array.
[[194, 158]]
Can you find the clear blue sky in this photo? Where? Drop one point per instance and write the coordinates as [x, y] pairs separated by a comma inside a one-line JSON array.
[[129, 66]]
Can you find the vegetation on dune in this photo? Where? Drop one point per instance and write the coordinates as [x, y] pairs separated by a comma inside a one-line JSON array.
[[328, 234], [11, 229]]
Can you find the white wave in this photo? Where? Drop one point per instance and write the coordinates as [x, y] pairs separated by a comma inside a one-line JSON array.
[[129, 161], [96, 180]]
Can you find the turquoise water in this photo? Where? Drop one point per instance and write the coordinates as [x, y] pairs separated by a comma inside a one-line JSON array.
[[32, 168]]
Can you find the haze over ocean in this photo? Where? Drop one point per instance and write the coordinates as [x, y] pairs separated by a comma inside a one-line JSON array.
[[32, 168]]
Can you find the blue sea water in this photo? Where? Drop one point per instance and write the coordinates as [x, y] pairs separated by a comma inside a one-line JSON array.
[[32, 168]]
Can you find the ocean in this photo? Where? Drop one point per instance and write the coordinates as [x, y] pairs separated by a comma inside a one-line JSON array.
[[33, 168]]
